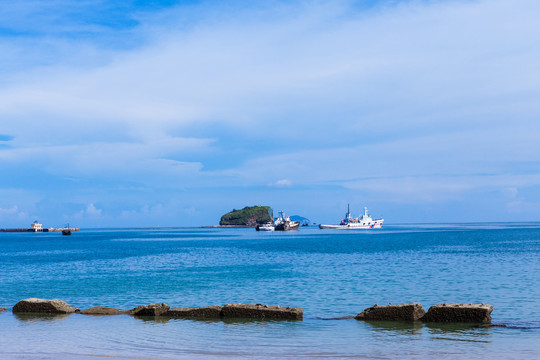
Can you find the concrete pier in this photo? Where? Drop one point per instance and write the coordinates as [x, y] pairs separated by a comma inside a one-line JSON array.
[[39, 230]]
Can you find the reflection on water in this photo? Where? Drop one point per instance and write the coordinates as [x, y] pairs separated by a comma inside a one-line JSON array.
[[153, 319], [402, 327], [441, 331], [459, 332], [36, 317], [455, 327], [225, 321], [125, 336]]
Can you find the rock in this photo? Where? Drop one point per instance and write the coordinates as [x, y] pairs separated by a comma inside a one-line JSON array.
[[34, 305], [150, 310], [102, 310], [469, 313], [2, 309], [259, 311], [207, 312], [400, 312], [248, 216]]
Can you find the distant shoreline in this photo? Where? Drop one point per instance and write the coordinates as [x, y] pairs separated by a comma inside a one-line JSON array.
[[225, 226]]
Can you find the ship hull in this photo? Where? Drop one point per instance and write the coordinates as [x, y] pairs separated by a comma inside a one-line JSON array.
[[287, 227], [376, 225]]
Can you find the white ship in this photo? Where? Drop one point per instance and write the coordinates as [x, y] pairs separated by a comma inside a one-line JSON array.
[[266, 227], [363, 222]]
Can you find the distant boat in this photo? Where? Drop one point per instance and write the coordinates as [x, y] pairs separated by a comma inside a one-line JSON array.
[[363, 222], [284, 223], [66, 230], [265, 227]]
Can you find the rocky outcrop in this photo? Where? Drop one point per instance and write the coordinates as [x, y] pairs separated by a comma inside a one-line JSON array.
[[467, 313], [248, 216], [207, 312], [400, 312], [259, 311], [150, 310], [2, 309], [102, 310], [34, 305]]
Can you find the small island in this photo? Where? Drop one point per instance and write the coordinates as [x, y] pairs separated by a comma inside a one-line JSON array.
[[250, 216]]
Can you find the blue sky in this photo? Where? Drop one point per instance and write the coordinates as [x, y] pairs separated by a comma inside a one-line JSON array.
[[171, 113]]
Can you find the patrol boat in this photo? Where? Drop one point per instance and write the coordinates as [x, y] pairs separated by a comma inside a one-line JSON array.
[[363, 222]]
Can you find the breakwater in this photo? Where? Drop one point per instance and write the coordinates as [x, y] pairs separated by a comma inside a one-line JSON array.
[[439, 313], [22, 230]]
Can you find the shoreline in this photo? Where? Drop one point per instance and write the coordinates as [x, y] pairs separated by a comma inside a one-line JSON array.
[[225, 226]]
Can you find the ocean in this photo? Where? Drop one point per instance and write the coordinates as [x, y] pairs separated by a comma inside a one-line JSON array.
[[329, 273]]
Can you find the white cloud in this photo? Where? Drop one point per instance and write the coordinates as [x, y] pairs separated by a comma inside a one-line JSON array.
[[11, 210], [91, 210], [283, 183], [88, 213], [112, 159], [401, 67]]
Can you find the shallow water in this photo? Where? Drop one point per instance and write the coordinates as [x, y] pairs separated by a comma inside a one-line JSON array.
[[330, 273]]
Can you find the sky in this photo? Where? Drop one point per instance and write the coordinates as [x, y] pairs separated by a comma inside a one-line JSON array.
[[172, 113]]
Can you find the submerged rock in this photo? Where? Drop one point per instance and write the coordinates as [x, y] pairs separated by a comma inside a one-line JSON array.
[[34, 305], [400, 312], [102, 310], [150, 310], [207, 312], [468, 313], [259, 311]]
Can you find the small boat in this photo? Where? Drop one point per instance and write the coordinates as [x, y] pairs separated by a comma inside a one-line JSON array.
[[66, 230], [265, 227], [284, 223], [363, 222]]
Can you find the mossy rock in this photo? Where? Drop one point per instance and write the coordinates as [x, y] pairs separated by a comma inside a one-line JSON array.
[[248, 216]]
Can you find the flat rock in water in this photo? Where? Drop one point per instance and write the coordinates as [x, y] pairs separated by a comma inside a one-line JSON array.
[[150, 310], [468, 313], [34, 305], [102, 310], [399, 312], [259, 311], [206, 312], [2, 309]]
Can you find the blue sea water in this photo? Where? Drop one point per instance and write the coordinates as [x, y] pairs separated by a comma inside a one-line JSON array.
[[329, 273]]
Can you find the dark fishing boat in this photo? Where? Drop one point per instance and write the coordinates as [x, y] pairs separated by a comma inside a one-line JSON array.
[[66, 230], [284, 223]]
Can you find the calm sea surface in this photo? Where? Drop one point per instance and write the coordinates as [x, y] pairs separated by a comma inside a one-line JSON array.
[[329, 273]]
